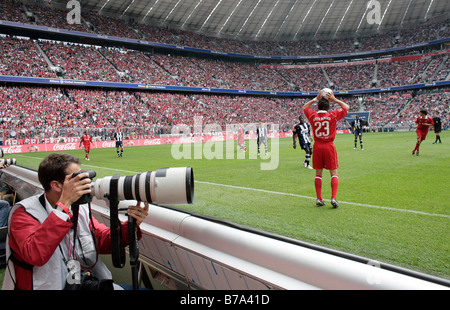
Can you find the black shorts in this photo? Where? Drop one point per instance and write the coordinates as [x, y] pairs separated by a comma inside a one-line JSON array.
[[119, 144], [261, 140], [305, 145]]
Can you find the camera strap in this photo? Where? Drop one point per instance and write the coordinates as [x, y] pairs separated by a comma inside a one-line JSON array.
[[75, 210], [117, 249]]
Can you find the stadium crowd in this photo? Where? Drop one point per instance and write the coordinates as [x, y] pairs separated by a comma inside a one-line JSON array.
[[68, 112], [82, 62], [22, 58]]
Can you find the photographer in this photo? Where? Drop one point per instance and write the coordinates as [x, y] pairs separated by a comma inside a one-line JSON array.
[[41, 247]]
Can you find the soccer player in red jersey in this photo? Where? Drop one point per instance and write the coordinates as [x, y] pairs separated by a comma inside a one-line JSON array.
[[241, 139], [323, 124], [86, 140], [423, 123]]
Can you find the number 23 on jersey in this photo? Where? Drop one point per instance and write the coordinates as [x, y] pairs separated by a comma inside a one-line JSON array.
[[322, 129]]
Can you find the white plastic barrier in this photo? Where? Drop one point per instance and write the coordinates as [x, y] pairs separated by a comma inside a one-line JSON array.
[[209, 254], [212, 255]]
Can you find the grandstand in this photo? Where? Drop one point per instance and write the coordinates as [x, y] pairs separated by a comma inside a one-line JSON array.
[[401, 79], [119, 69]]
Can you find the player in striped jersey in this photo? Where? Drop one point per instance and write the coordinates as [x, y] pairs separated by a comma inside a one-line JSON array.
[[357, 126], [302, 130], [261, 133], [118, 136]]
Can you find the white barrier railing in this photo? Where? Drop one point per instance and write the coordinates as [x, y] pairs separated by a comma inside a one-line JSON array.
[[211, 254]]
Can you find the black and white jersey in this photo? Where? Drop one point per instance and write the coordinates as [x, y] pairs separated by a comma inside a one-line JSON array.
[[118, 136], [303, 132], [357, 124], [262, 133]]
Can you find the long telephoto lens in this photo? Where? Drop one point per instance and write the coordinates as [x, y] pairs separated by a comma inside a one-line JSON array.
[[163, 186]]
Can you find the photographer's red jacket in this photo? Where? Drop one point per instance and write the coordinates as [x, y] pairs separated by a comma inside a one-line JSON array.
[[34, 244]]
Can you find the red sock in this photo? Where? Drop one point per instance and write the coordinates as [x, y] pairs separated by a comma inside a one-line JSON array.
[[318, 184], [334, 186]]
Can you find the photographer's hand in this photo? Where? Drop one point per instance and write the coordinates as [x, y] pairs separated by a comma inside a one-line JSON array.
[[138, 213], [74, 188]]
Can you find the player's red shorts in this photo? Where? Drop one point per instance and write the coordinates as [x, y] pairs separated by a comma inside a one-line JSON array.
[[325, 156], [87, 147], [421, 135]]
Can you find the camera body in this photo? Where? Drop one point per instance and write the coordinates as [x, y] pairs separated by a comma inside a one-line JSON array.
[[90, 283], [86, 197]]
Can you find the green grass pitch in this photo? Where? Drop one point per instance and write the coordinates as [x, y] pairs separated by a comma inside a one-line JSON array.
[[394, 207]]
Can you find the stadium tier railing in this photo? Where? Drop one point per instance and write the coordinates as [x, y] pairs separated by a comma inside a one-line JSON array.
[[207, 90]]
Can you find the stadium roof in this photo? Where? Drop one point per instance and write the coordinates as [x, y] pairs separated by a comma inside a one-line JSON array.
[[276, 19]]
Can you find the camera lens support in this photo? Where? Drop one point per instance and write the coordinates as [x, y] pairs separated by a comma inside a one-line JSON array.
[[165, 185], [117, 248], [133, 251]]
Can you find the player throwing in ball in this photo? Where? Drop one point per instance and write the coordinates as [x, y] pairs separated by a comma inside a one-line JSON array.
[[323, 124]]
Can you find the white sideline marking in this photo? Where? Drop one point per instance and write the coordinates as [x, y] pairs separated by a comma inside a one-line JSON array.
[[285, 194], [308, 197]]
